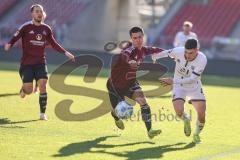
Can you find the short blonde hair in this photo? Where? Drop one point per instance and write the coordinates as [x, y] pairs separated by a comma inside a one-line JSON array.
[[36, 5], [188, 23]]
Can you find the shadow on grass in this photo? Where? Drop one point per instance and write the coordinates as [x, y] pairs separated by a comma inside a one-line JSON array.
[[153, 152], [8, 94], [94, 146], [6, 123], [87, 146]]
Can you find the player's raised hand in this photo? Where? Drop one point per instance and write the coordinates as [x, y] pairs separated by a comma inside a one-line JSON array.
[[70, 56], [133, 64], [166, 81], [7, 47]]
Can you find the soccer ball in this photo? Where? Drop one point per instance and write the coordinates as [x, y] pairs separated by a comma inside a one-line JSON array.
[[124, 110]]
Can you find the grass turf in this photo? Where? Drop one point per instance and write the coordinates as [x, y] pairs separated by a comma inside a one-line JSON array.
[[23, 136]]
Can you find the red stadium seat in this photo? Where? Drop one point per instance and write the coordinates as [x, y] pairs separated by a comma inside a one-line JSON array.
[[214, 19], [5, 5], [58, 11]]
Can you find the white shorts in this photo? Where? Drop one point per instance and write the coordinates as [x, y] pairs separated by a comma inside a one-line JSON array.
[[194, 94]]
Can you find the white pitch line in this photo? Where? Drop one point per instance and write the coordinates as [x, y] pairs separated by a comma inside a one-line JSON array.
[[219, 155]]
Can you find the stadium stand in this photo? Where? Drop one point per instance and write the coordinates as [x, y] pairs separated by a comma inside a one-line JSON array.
[[60, 13], [5, 5], [216, 18]]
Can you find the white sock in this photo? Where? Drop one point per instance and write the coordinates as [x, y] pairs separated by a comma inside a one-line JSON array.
[[199, 127], [185, 117]]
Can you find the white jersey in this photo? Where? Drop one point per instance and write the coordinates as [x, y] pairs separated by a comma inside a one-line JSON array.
[[181, 38], [187, 74]]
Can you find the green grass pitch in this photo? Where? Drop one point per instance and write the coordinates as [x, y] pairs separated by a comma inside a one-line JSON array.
[[23, 136]]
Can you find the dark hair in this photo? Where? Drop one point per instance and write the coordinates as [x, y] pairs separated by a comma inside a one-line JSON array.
[[191, 44], [135, 30], [35, 5]]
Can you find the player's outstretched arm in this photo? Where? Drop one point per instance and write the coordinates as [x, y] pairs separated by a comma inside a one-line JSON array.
[[169, 81], [153, 50], [59, 48], [17, 35], [162, 54], [70, 56], [191, 79]]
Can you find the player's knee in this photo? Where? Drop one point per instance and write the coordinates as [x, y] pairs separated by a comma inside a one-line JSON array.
[[141, 100], [179, 110], [28, 90], [179, 114], [178, 107], [42, 86], [42, 89]]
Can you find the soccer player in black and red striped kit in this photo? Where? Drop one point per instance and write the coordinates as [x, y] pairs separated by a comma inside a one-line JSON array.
[[122, 81], [35, 34]]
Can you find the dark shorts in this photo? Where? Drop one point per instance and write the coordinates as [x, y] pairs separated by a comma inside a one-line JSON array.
[[116, 95], [30, 72]]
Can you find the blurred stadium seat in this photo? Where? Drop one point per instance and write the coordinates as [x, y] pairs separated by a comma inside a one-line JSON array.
[[5, 5], [216, 18], [60, 13]]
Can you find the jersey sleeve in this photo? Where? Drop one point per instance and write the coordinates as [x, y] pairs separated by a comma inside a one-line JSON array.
[[125, 56], [54, 43], [153, 50], [17, 35], [195, 36], [200, 68], [167, 53]]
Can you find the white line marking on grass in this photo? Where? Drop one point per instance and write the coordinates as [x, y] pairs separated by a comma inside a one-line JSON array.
[[219, 155]]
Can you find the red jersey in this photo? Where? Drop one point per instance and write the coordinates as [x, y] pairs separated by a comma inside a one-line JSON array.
[[122, 75], [34, 40]]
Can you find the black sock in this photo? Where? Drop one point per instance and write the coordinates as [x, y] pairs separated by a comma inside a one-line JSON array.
[[114, 116], [146, 116], [43, 102]]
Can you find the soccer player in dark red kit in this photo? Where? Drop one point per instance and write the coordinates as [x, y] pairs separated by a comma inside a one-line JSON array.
[[122, 81], [35, 34]]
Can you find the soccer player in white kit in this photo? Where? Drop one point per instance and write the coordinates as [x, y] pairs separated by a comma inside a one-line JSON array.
[[182, 36], [190, 64]]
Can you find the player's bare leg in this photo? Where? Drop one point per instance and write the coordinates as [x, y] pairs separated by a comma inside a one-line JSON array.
[[35, 90], [42, 97], [139, 97], [27, 88], [179, 109], [200, 107]]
